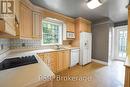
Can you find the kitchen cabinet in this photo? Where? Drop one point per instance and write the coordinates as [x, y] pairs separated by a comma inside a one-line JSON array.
[[37, 25], [127, 73], [60, 61], [70, 26], [127, 77], [57, 61], [63, 60], [53, 64], [50, 59], [26, 25], [66, 59], [30, 22], [82, 25], [7, 27], [69, 30]]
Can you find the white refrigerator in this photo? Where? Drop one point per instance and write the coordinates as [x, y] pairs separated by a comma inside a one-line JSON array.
[[85, 48]]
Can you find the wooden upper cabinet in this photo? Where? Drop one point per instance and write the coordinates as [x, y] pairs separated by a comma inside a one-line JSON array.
[[26, 24], [37, 25], [83, 25], [7, 28], [70, 26]]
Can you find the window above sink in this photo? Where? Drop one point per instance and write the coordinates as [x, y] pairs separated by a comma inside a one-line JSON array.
[[52, 32]]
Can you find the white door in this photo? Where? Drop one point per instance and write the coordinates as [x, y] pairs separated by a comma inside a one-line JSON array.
[[121, 43]]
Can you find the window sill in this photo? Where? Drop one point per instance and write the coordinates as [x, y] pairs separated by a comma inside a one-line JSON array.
[[50, 44]]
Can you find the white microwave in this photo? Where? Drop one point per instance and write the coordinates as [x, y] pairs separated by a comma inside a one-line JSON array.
[[70, 35]]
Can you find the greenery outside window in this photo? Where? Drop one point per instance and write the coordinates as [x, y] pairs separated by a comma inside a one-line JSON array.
[[51, 33]]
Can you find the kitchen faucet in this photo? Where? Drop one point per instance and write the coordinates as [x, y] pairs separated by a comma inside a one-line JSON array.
[[58, 46]]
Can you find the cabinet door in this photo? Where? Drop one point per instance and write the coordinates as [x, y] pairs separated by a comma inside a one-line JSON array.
[[63, 60], [37, 25], [46, 59], [60, 61], [85, 27], [25, 21], [53, 57], [127, 77], [66, 58], [70, 27]]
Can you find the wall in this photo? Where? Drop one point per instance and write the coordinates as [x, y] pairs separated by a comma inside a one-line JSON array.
[[122, 23], [100, 36], [6, 45]]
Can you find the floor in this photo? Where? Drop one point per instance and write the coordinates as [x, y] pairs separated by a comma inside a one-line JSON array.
[[92, 75]]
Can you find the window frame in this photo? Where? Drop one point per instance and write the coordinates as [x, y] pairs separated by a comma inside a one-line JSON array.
[[60, 34]]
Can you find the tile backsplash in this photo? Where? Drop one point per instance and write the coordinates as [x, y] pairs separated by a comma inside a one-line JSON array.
[[4, 45], [19, 43]]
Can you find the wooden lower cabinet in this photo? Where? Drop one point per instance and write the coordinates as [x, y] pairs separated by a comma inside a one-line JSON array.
[[62, 60], [66, 60], [127, 77], [57, 61]]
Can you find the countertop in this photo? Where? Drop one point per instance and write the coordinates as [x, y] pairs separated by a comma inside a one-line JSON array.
[[127, 63], [29, 75], [25, 52], [26, 76]]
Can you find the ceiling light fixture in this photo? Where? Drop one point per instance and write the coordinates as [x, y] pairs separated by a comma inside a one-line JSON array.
[[92, 4]]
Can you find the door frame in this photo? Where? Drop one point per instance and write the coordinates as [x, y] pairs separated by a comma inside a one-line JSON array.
[[116, 42]]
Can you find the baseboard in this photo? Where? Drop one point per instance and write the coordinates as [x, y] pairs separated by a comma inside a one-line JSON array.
[[99, 61]]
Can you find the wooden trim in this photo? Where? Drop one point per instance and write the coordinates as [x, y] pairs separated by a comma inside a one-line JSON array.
[[100, 62], [127, 77], [2, 25], [83, 20], [47, 13]]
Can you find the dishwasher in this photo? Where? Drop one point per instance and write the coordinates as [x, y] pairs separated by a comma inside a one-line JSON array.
[[74, 60]]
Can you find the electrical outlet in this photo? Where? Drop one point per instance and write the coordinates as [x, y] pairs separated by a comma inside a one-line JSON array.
[[23, 45], [1, 47], [40, 77]]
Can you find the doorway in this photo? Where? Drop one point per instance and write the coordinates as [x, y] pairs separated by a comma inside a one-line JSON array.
[[120, 43]]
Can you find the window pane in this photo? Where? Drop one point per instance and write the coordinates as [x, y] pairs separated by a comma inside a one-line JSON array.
[[50, 33]]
